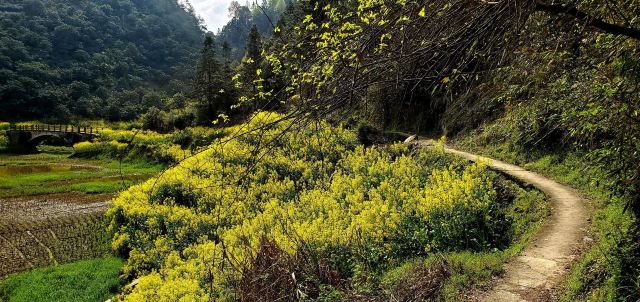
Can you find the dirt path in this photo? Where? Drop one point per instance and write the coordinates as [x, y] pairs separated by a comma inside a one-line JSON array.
[[534, 272]]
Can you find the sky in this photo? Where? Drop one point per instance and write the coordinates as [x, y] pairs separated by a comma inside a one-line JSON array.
[[214, 12]]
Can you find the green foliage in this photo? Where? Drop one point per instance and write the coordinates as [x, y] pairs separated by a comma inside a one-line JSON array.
[[250, 75], [88, 280], [90, 59], [144, 145], [609, 269], [155, 119], [237, 31], [567, 88], [213, 88], [4, 140]]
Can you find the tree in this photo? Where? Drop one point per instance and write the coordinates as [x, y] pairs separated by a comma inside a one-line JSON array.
[[591, 20], [250, 70], [254, 45], [210, 84], [60, 51], [226, 55], [264, 16]]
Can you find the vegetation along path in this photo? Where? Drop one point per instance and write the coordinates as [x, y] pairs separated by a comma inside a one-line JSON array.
[[532, 274]]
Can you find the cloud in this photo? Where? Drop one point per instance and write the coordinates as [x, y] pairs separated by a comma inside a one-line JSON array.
[[214, 12]]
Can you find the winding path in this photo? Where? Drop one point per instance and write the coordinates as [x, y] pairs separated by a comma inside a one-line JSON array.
[[540, 266]]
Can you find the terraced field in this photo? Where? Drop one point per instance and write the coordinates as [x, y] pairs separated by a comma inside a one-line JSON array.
[[50, 229], [51, 207]]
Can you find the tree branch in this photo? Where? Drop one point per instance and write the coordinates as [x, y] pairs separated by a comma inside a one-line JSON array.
[[591, 20], [265, 14]]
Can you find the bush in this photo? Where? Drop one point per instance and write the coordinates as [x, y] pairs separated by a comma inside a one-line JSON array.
[[164, 122], [4, 140], [112, 149], [156, 119]]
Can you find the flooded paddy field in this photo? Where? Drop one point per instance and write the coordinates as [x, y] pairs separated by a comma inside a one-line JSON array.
[[47, 173]]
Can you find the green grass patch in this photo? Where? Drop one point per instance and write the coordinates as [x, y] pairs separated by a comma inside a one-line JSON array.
[[95, 187], [88, 280], [55, 172]]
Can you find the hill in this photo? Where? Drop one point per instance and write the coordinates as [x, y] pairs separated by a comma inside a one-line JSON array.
[[264, 16], [106, 59]]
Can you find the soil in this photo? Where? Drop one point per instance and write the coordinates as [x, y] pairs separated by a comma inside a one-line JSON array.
[[50, 229]]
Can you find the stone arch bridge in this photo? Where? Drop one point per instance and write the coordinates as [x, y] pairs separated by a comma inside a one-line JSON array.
[[28, 137]]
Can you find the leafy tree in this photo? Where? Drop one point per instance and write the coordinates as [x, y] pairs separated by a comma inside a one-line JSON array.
[[210, 84]]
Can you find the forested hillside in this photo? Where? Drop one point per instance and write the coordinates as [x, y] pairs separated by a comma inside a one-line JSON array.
[[109, 59], [265, 15]]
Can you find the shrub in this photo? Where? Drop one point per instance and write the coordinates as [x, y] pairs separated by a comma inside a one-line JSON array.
[[156, 119], [4, 140], [94, 149]]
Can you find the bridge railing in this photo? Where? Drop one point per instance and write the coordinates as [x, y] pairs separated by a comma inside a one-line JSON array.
[[55, 128]]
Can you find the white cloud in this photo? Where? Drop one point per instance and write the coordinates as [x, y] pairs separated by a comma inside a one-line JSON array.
[[214, 12]]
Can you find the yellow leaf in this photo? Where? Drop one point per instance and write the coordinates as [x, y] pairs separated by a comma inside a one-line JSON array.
[[422, 13]]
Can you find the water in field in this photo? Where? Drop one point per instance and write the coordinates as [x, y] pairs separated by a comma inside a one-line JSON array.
[[28, 169]]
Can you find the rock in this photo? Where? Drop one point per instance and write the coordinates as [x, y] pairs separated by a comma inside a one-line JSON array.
[[411, 139]]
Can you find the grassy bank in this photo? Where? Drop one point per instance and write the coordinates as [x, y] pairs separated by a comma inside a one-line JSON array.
[[88, 280], [608, 270]]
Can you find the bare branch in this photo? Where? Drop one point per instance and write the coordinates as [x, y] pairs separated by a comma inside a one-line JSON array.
[[589, 19]]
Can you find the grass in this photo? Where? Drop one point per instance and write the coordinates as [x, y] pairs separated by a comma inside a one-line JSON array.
[[52, 171], [102, 187], [88, 280]]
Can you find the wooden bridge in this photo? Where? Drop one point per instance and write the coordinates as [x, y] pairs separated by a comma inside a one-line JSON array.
[[28, 137]]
